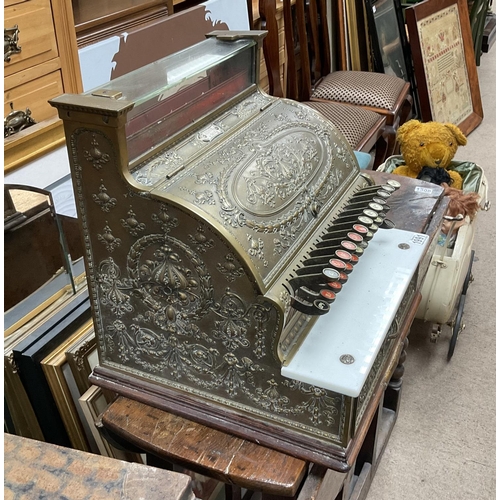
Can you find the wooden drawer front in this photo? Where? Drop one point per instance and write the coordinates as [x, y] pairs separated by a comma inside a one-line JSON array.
[[8, 3], [36, 34], [34, 95]]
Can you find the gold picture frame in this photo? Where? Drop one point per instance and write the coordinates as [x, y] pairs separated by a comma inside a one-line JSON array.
[[19, 407], [445, 66], [53, 367], [82, 356], [93, 403]]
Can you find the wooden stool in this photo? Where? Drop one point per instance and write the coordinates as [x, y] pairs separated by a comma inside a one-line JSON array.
[[236, 462]]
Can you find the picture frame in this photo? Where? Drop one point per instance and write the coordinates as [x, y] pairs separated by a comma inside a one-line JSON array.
[[43, 302], [82, 356], [16, 400], [29, 353], [17, 406], [445, 68], [53, 366], [93, 403], [389, 45]]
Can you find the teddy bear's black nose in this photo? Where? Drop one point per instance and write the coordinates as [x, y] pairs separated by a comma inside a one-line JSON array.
[[438, 162]]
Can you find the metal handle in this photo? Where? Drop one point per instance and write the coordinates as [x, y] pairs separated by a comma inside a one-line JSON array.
[[16, 121], [10, 42]]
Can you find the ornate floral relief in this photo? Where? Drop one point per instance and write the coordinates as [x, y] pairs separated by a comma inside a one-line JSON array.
[[206, 178], [271, 399], [235, 323], [285, 299], [318, 404], [156, 170], [81, 354], [172, 282], [261, 315], [94, 155], [205, 197], [245, 108], [108, 239], [231, 155], [155, 351], [257, 249], [103, 199], [164, 219], [232, 216], [131, 224], [287, 236], [272, 178], [230, 269], [108, 280], [200, 240], [234, 375]]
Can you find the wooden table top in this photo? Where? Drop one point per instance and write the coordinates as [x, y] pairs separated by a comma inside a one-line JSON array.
[[202, 449], [34, 469]]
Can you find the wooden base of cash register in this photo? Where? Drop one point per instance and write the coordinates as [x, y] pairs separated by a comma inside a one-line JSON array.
[[169, 439]]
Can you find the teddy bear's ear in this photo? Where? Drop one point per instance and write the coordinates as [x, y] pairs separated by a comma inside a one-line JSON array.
[[461, 139], [406, 129]]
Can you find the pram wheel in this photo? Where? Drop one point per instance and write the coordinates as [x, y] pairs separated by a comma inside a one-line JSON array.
[[457, 325], [469, 278]]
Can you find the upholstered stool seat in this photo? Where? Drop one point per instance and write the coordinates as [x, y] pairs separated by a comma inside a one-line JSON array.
[[354, 122], [384, 94], [361, 88]]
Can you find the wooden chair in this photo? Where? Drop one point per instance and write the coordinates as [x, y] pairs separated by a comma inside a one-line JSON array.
[[387, 95], [363, 129]]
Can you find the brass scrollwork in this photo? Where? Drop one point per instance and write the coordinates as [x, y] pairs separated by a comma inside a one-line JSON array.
[[10, 42]]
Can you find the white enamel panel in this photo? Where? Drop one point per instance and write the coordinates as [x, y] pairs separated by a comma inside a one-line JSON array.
[[360, 317]]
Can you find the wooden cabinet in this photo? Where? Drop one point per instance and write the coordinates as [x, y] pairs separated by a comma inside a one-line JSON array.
[[43, 65], [96, 20]]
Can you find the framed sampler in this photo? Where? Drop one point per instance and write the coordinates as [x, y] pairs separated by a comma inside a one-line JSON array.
[[445, 67]]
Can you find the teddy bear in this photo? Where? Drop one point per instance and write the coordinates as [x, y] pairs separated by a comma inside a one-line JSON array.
[[427, 150]]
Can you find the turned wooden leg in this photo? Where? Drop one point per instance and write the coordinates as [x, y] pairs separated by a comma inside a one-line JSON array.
[[392, 395]]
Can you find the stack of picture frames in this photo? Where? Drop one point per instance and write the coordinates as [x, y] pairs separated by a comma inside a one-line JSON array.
[[47, 363], [389, 45], [49, 342]]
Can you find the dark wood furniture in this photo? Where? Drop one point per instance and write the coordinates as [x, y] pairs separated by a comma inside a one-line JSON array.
[[384, 94], [95, 21], [363, 129], [34, 469], [241, 464], [36, 239]]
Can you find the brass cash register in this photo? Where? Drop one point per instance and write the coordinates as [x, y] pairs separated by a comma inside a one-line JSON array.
[[242, 272]]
